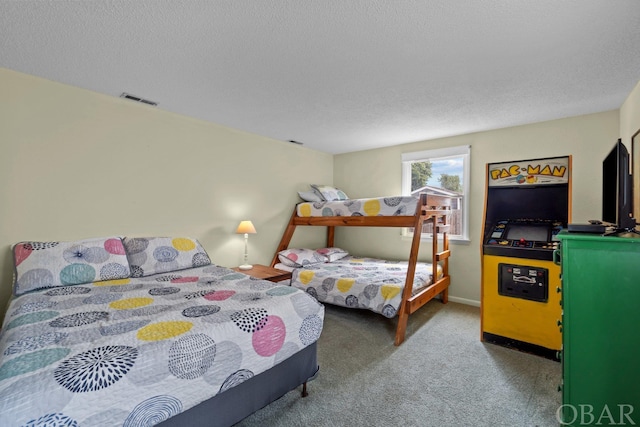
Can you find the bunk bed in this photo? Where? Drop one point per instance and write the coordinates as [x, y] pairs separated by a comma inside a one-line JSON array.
[[429, 209]]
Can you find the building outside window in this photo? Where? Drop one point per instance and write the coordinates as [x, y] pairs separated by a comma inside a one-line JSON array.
[[443, 171]]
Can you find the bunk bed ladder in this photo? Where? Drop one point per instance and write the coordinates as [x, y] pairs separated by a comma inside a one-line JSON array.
[[405, 306], [443, 256], [434, 209]]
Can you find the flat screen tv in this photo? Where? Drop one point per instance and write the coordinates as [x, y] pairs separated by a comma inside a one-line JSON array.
[[617, 189]]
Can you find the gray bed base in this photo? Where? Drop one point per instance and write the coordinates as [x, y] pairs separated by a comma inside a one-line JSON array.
[[239, 402]]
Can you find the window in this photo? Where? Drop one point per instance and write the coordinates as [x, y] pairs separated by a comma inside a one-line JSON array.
[[442, 171]]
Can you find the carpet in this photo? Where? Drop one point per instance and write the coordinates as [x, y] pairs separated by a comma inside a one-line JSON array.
[[442, 375]]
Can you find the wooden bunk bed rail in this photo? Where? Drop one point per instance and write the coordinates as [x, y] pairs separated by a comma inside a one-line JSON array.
[[355, 221], [435, 210], [432, 209]]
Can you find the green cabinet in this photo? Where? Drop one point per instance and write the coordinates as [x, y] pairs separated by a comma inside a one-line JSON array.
[[601, 329]]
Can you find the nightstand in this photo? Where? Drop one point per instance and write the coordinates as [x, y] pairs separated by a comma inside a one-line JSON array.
[[264, 272]]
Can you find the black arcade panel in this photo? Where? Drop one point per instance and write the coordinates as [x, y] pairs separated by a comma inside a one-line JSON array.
[[521, 281], [523, 238]]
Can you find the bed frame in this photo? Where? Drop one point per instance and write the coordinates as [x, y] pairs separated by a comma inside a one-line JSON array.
[[431, 208], [228, 408]]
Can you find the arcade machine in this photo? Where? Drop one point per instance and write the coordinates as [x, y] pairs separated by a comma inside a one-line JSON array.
[[528, 202]]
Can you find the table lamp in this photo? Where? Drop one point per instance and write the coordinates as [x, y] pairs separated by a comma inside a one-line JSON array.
[[246, 228]]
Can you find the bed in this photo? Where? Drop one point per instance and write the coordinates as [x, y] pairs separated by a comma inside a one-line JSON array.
[[417, 288], [143, 331], [361, 282]]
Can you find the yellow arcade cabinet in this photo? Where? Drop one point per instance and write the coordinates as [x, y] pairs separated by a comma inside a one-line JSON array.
[[527, 203]]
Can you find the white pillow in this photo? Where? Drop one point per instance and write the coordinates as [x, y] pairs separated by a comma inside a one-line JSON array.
[[332, 254], [300, 257], [330, 193], [310, 196]]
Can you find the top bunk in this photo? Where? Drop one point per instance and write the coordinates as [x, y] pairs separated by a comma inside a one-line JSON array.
[[401, 211], [426, 213]]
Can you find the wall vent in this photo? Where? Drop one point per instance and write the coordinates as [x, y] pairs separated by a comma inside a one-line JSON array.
[[137, 99]]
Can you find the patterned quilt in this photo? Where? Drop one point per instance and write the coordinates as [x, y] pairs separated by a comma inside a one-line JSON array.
[[367, 283], [135, 351], [380, 206]]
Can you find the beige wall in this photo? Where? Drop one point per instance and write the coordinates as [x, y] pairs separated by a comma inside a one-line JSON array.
[[630, 116], [77, 164], [378, 173], [629, 125]]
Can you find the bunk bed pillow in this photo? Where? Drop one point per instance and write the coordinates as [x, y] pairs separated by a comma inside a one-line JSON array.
[[297, 258], [329, 193], [310, 196], [41, 265], [332, 254], [153, 255]]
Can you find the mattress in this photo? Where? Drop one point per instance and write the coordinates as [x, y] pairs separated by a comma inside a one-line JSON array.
[[379, 206], [366, 283], [137, 351]]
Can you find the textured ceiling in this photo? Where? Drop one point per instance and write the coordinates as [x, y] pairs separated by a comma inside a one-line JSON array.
[[338, 75]]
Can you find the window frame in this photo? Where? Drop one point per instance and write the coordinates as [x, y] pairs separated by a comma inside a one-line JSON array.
[[463, 151]]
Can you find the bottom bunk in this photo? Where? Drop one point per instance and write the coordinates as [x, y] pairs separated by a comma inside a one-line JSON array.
[[361, 282], [372, 284]]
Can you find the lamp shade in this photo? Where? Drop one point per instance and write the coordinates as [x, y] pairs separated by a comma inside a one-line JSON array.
[[246, 227]]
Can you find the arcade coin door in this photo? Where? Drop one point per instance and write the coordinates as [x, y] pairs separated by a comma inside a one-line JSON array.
[[527, 203]]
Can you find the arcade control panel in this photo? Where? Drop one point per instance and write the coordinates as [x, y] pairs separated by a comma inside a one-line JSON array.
[[523, 238]]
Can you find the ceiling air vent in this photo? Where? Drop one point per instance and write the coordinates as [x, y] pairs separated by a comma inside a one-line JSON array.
[[137, 98]]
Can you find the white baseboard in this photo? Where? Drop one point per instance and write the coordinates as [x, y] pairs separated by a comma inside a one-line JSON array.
[[465, 301]]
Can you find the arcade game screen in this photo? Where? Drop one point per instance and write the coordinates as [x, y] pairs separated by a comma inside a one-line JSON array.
[[536, 233]]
